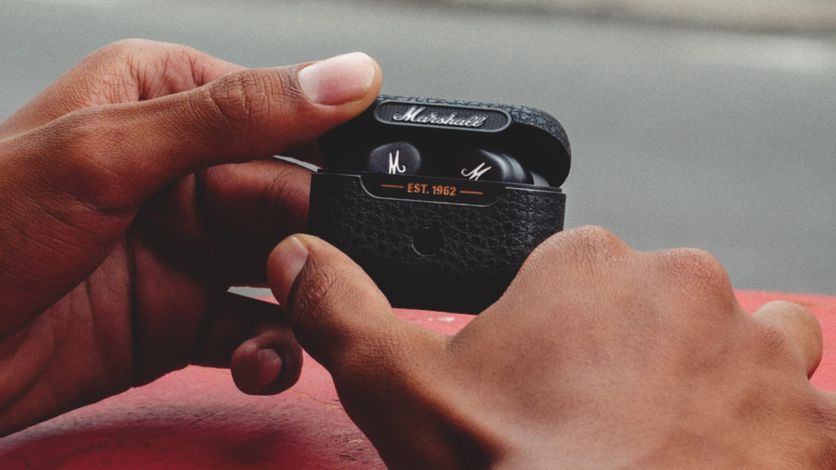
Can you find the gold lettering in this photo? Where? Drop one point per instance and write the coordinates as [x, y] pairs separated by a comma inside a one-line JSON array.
[[444, 190]]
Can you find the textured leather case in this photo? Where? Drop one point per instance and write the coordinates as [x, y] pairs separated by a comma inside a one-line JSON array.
[[436, 252]]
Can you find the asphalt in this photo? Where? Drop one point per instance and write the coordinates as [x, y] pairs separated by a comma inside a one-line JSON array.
[[681, 136]]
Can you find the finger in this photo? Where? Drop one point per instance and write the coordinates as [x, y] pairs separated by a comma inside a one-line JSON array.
[[799, 327], [226, 219], [389, 374], [125, 71], [246, 335], [255, 205], [337, 312], [263, 365], [74, 185], [121, 154]]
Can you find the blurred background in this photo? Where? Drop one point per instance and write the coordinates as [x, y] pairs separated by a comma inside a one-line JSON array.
[[702, 123]]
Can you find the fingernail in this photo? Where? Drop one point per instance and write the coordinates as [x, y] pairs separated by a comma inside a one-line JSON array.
[[338, 80], [290, 257], [269, 367]]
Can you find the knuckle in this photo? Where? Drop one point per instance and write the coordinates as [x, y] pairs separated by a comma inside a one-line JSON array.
[[243, 99], [119, 48], [109, 74], [589, 243], [122, 51], [286, 187], [694, 269], [132, 47], [586, 254], [587, 249], [595, 238], [129, 45], [314, 287], [141, 69]]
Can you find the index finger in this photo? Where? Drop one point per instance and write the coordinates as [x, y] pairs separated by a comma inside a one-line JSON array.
[[119, 155], [126, 71], [84, 176]]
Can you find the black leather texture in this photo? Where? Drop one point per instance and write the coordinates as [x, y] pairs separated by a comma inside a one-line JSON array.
[[480, 248]]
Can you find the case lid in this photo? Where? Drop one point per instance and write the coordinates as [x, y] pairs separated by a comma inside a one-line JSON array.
[[441, 128]]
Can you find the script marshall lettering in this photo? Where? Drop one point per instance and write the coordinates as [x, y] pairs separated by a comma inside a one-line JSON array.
[[477, 172], [416, 114]]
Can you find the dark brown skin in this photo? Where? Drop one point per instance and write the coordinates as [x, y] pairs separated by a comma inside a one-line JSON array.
[[136, 189], [597, 356]]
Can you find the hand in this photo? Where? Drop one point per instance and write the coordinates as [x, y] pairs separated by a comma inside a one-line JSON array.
[[121, 228], [597, 356]]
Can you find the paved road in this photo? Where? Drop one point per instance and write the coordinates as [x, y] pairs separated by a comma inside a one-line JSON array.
[[721, 141]]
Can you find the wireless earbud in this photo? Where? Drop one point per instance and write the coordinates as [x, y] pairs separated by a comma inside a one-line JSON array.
[[476, 164], [395, 158], [539, 180], [488, 165]]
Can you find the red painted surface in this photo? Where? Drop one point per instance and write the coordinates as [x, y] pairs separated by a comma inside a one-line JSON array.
[[195, 418]]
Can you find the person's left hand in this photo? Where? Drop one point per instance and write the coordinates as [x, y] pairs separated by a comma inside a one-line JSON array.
[[120, 232], [596, 356]]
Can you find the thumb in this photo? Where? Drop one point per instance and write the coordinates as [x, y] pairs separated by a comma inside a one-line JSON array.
[[73, 185], [390, 375], [336, 311], [119, 155]]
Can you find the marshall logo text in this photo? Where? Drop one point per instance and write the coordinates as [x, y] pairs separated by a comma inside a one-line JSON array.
[[416, 114], [465, 118]]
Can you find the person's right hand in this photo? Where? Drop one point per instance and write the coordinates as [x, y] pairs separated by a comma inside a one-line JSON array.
[[133, 192], [597, 356]]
